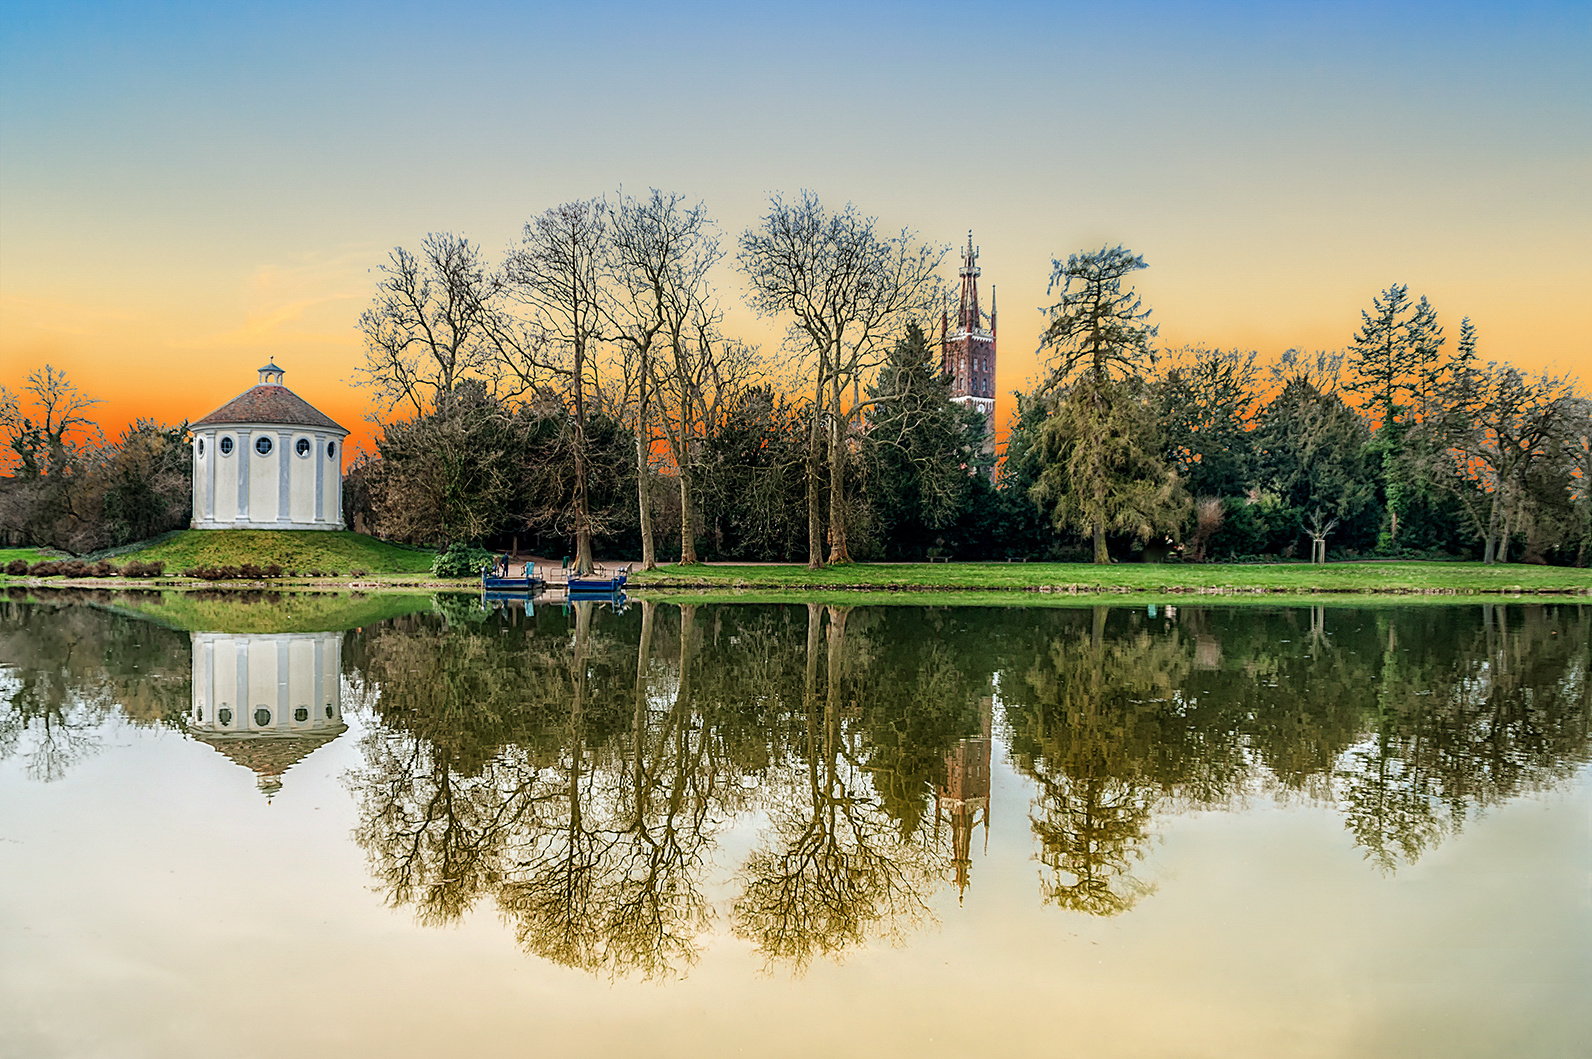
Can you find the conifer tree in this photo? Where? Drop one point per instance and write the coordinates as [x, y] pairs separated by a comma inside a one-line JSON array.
[[1100, 449]]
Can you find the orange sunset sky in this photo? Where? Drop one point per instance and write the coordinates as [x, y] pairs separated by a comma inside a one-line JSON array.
[[186, 190]]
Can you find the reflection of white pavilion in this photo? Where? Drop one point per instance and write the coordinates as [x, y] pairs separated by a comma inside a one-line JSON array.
[[267, 700]]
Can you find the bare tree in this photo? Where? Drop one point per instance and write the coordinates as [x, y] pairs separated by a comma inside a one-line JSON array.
[[47, 441], [1501, 423], [697, 383], [556, 272], [1319, 527], [849, 293], [661, 251], [430, 326]]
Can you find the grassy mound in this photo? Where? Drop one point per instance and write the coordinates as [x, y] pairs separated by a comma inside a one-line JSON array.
[[302, 550], [27, 555]]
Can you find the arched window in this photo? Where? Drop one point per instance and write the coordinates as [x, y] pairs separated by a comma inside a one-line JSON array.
[[302, 447], [226, 446], [262, 445], [262, 717]]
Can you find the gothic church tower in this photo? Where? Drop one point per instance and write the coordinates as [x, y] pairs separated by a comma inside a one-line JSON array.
[[967, 351]]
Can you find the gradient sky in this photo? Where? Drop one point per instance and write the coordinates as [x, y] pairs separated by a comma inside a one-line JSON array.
[[186, 189]]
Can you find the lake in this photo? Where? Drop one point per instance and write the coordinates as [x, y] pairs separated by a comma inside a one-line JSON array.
[[270, 825]]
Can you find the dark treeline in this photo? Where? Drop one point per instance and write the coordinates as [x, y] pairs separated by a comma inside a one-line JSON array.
[[580, 393], [577, 770], [70, 488]]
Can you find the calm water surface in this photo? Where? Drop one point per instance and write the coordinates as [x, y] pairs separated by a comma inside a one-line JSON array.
[[794, 830]]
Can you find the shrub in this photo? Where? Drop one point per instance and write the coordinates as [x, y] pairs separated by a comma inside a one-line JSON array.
[[45, 568], [75, 568], [137, 568], [214, 573], [103, 568], [17, 567], [460, 560]]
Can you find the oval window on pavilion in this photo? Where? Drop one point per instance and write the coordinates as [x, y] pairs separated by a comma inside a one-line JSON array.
[[302, 447], [262, 445], [226, 446], [262, 717]]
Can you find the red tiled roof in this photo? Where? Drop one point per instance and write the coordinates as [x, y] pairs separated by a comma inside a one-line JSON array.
[[276, 405]]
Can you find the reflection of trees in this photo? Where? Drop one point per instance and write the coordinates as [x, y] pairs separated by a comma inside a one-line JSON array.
[[69, 669], [515, 775], [832, 869], [456, 768], [612, 879], [1105, 736], [578, 771], [1465, 718]]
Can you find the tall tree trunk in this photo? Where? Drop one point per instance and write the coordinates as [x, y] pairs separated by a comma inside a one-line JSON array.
[[688, 554], [583, 556], [1101, 555], [649, 557], [1489, 553], [815, 521], [1509, 528], [838, 553]]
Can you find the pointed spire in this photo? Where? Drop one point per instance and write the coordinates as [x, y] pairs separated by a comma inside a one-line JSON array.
[[967, 314]]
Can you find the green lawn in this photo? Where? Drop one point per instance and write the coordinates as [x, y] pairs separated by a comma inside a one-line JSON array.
[[1358, 577], [305, 551], [29, 555]]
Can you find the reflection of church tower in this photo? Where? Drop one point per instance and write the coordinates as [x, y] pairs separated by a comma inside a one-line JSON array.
[[967, 350], [267, 701], [964, 800]]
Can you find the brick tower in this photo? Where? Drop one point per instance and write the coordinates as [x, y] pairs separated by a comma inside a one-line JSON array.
[[967, 351]]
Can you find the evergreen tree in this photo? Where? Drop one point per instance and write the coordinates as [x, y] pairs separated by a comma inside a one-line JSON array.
[[1205, 402], [923, 450], [1100, 447], [1311, 450], [1103, 468], [1397, 366]]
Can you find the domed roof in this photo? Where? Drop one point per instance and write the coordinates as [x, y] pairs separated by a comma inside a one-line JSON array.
[[272, 403], [268, 756]]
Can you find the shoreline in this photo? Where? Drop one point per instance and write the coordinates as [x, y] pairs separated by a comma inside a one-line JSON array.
[[733, 588]]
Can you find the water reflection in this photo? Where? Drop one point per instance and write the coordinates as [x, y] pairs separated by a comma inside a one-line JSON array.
[[68, 670], [580, 773], [266, 701]]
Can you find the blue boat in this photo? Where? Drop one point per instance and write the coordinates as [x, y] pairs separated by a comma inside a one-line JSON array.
[[598, 586], [528, 583]]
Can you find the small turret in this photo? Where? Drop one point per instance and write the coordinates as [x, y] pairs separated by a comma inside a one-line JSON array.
[[271, 375]]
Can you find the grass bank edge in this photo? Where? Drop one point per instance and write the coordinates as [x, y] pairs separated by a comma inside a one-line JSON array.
[[1399, 578]]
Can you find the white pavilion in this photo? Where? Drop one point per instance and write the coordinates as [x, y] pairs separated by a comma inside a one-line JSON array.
[[267, 459]]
